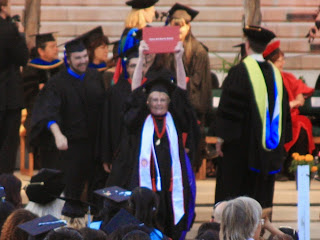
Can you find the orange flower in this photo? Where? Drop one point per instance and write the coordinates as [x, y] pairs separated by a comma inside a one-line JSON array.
[[301, 158], [309, 158], [314, 169], [295, 155]]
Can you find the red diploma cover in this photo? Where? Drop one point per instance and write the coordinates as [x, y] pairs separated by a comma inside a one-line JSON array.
[[161, 39]]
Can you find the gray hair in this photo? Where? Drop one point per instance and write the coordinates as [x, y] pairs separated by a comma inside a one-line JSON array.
[[54, 208], [240, 219]]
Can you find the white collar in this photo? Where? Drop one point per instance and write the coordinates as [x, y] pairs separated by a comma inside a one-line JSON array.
[[258, 57]]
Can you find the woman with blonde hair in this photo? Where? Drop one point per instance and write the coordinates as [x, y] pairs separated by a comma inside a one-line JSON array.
[[241, 219]]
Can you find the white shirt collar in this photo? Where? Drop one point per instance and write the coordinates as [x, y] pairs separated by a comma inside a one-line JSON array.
[[258, 57]]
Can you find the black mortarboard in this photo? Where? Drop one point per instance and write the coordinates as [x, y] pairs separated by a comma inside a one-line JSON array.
[[42, 38], [116, 194], [182, 11], [122, 218], [91, 36], [141, 4], [38, 227], [2, 193], [258, 34], [160, 84], [75, 45], [45, 186]]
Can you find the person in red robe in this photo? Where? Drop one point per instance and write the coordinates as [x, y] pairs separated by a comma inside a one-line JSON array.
[[302, 139]]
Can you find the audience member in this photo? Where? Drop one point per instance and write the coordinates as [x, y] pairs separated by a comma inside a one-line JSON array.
[[136, 235], [217, 211], [43, 198], [12, 187], [65, 233], [6, 208], [92, 234], [214, 226], [241, 219], [10, 230], [208, 235]]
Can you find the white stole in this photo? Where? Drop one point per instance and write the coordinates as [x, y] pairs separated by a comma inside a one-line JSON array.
[[147, 148]]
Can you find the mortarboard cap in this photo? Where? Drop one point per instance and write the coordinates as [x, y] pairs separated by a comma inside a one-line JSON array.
[[75, 45], [258, 34], [160, 84], [141, 4], [182, 11], [2, 193], [123, 217], [88, 37], [38, 227], [271, 48], [45, 186], [42, 38], [116, 194]]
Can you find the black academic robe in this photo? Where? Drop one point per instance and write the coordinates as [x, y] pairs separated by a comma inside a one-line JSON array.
[[239, 124], [112, 119], [125, 169], [76, 107], [13, 54], [33, 75]]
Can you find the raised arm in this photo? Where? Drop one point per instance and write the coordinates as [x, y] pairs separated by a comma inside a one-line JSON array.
[[137, 75], [181, 73]]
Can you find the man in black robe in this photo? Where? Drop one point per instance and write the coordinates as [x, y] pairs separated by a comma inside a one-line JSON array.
[[35, 75], [112, 117], [251, 145], [13, 54], [69, 107]]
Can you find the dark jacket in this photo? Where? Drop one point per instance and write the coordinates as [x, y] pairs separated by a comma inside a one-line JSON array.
[[13, 54]]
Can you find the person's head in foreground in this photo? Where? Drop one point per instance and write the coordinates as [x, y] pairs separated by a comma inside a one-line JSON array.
[[241, 219]]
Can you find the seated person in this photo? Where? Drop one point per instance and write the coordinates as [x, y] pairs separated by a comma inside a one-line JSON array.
[[302, 139], [144, 204], [12, 188], [241, 219]]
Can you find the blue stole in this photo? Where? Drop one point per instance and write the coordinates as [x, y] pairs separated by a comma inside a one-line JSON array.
[[76, 75]]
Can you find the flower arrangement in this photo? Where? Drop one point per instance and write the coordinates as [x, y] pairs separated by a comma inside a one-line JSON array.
[[307, 159]]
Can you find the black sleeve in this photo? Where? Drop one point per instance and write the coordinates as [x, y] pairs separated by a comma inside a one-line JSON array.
[[233, 104], [46, 108], [136, 110]]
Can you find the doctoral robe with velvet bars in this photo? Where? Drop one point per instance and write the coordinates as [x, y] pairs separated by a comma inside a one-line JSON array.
[[246, 167]]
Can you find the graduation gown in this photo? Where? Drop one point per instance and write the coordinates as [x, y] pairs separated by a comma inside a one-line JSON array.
[[13, 54], [294, 87], [76, 106], [39, 72], [125, 170], [246, 167], [112, 119]]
